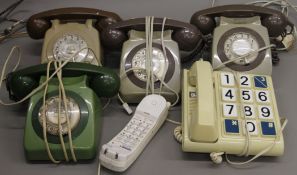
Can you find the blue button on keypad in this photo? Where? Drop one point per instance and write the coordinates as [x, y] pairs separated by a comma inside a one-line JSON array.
[[231, 126], [268, 128], [260, 81]]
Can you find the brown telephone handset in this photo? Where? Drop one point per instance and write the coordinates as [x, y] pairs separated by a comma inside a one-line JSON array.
[[186, 35], [39, 23], [275, 21]]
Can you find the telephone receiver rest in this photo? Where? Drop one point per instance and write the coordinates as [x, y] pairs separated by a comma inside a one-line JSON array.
[[186, 35], [39, 23], [273, 20], [103, 81]]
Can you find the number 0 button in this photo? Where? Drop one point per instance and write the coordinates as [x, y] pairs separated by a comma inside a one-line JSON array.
[[252, 127]]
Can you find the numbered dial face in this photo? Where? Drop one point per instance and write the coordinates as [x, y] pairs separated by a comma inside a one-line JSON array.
[[72, 47], [239, 44], [158, 64], [50, 112]]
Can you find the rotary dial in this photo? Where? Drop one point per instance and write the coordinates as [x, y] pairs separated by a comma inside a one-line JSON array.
[[52, 112], [239, 44], [158, 63], [68, 46]]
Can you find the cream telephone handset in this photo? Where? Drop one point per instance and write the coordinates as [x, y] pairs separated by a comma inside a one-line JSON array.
[[203, 128], [220, 108]]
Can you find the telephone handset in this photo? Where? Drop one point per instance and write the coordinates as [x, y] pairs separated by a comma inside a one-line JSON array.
[[39, 23], [83, 84], [103, 81], [275, 21], [68, 30], [186, 35], [219, 108], [130, 35], [203, 128], [241, 31]]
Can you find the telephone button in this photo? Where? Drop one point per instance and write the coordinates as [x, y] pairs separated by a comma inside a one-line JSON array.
[[228, 94], [227, 79], [265, 112], [268, 128], [251, 127], [260, 82], [262, 96], [245, 81], [231, 126], [249, 111], [230, 110]]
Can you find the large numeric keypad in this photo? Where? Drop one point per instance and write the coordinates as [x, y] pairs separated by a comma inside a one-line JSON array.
[[246, 100]]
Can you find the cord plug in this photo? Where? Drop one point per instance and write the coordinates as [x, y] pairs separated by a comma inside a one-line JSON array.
[[287, 42], [127, 108]]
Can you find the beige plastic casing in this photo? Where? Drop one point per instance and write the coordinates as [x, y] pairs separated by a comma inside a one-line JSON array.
[[132, 93], [58, 30], [254, 23], [212, 113]]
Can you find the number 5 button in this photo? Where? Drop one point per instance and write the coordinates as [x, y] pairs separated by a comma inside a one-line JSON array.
[[246, 95]]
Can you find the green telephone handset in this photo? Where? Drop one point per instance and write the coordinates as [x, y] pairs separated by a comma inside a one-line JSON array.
[[83, 84], [220, 108]]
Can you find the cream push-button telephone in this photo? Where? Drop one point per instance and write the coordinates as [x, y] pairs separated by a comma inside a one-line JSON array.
[[132, 36], [220, 108], [67, 31], [244, 34]]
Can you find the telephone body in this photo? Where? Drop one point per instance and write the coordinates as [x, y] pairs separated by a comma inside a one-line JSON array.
[[239, 30], [69, 30], [84, 84], [130, 35], [217, 105]]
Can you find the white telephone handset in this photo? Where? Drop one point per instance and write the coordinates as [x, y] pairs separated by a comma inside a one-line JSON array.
[[124, 148]]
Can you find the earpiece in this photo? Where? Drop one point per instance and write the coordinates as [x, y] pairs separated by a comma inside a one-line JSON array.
[[36, 28], [275, 24], [113, 39], [205, 24], [187, 38]]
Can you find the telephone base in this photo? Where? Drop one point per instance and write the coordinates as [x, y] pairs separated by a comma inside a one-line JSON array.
[[85, 134], [242, 103]]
